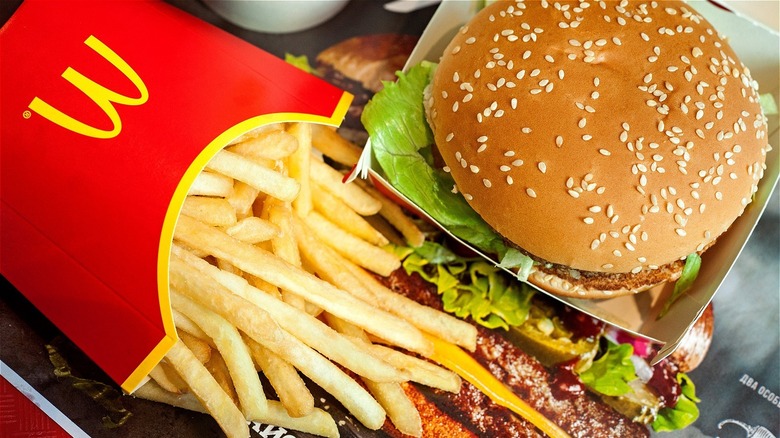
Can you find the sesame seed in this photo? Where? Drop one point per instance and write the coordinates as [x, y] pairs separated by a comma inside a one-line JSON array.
[[468, 196], [487, 183], [680, 232], [574, 194], [474, 169], [549, 58], [517, 163], [559, 141], [588, 220], [504, 168], [530, 192], [509, 180], [605, 152], [595, 244], [582, 122], [587, 137]]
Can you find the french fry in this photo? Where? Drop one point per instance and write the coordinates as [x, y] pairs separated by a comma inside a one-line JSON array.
[[213, 211], [167, 378], [283, 245], [259, 325], [273, 144], [227, 266], [261, 178], [419, 370], [200, 348], [330, 143], [351, 194], [256, 132], [233, 350], [357, 250], [270, 268], [186, 324], [218, 368], [211, 184], [311, 331], [318, 422], [299, 168], [401, 411], [252, 229], [340, 214], [203, 385], [288, 384], [393, 213], [428, 319], [242, 199]]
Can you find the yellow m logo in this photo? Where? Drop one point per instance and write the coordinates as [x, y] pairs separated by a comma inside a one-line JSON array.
[[102, 96]]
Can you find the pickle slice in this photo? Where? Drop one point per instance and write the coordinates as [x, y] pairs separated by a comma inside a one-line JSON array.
[[545, 337]]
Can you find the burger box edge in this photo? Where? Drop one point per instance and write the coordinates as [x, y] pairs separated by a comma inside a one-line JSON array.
[[97, 266], [638, 313]]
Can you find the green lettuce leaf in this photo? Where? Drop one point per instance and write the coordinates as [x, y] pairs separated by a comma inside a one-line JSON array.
[[302, 62], [610, 374], [687, 277], [472, 288], [401, 142], [683, 413]]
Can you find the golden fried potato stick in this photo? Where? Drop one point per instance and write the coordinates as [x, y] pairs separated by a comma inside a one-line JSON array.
[[395, 215], [185, 324], [351, 194], [253, 230], [299, 167], [318, 422], [203, 386], [269, 145], [213, 211], [284, 245], [333, 145], [427, 319], [211, 184], [258, 176], [166, 377], [233, 350], [258, 324], [284, 378], [242, 199], [340, 214], [267, 266], [199, 347], [310, 330], [359, 251], [401, 411]]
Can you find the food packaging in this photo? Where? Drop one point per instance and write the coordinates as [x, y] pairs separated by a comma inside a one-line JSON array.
[[758, 46], [109, 111]]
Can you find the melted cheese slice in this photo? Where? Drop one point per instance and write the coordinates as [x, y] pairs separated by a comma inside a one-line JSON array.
[[457, 360]]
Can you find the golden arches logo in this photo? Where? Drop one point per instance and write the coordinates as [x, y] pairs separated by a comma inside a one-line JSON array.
[[99, 94]]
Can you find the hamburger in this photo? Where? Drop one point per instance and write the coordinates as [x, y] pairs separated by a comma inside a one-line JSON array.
[[360, 65], [594, 147]]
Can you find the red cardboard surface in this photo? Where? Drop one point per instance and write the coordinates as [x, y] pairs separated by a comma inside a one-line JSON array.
[[109, 109]]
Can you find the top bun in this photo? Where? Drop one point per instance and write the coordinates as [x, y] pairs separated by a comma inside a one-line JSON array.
[[611, 137]]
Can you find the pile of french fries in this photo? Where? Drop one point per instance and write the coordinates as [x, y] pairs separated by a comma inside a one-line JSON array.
[[273, 270]]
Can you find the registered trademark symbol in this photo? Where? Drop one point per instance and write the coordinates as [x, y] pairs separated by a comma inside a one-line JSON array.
[[26, 114]]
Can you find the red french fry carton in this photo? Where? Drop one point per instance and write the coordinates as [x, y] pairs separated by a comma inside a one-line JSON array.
[[109, 111]]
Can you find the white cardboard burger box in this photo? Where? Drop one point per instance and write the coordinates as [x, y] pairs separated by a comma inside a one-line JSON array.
[[751, 31]]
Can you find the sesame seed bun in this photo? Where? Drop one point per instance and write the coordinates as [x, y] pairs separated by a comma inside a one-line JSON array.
[[615, 138]]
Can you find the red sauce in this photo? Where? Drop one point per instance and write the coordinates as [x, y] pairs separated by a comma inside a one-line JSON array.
[[664, 382], [566, 384], [581, 324]]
